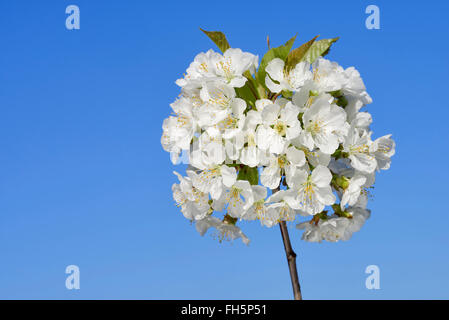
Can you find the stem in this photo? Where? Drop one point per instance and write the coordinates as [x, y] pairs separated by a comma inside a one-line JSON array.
[[275, 97], [291, 259]]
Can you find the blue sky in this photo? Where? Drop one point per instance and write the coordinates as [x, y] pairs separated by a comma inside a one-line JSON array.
[[84, 180]]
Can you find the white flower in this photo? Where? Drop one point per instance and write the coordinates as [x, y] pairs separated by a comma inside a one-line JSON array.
[[213, 179], [335, 228], [362, 202], [311, 193], [285, 163], [202, 67], [384, 149], [311, 138], [361, 120], [271, 216], [328, 76], [277, 203], [251, 155], [306, 95], [219, 102], [227, 68], [315, 157], [355, 118], [269, 211], [359, 216], [194, 203], [211, 148], [292, 80], [352, 192], [225, 231], [262, 103], [280, 125], [331, 229], [231, 66], [358, 146], [234, 122], [354, 86], [311, 231], [258, 208], [237, 199], [324, 126], [178, 130]]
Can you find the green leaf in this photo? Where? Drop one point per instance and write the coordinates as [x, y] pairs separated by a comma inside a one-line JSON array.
[[342, 102], [280, 52], [249, 174], [256, 88], [218, 38], [297, 55], [319, 49], [246, 94]]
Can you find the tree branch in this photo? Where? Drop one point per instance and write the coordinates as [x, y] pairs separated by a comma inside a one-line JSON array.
[[291, 259]]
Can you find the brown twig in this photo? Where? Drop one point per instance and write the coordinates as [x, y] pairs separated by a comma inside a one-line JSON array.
[[291, 258]]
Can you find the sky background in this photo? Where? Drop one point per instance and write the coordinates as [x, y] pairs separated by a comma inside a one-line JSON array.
[[85, 181]]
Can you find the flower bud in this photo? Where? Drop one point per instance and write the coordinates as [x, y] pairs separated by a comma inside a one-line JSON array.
[[341, 181], [341, 213]]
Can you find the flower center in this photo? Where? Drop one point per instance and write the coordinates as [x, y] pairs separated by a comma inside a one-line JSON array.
[[315, 127], [209, 174], [203, 67], [364, 148], [280, 128], [182, 121], [229, 123], [317, 74], [259, 207], [225, 66], [219, 98], [308, 191], [282, 161], [384, 149], [233, 197], [284, 213], [251, 140]]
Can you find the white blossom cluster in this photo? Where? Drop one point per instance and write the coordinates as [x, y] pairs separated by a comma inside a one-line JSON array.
[[303, 136]]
